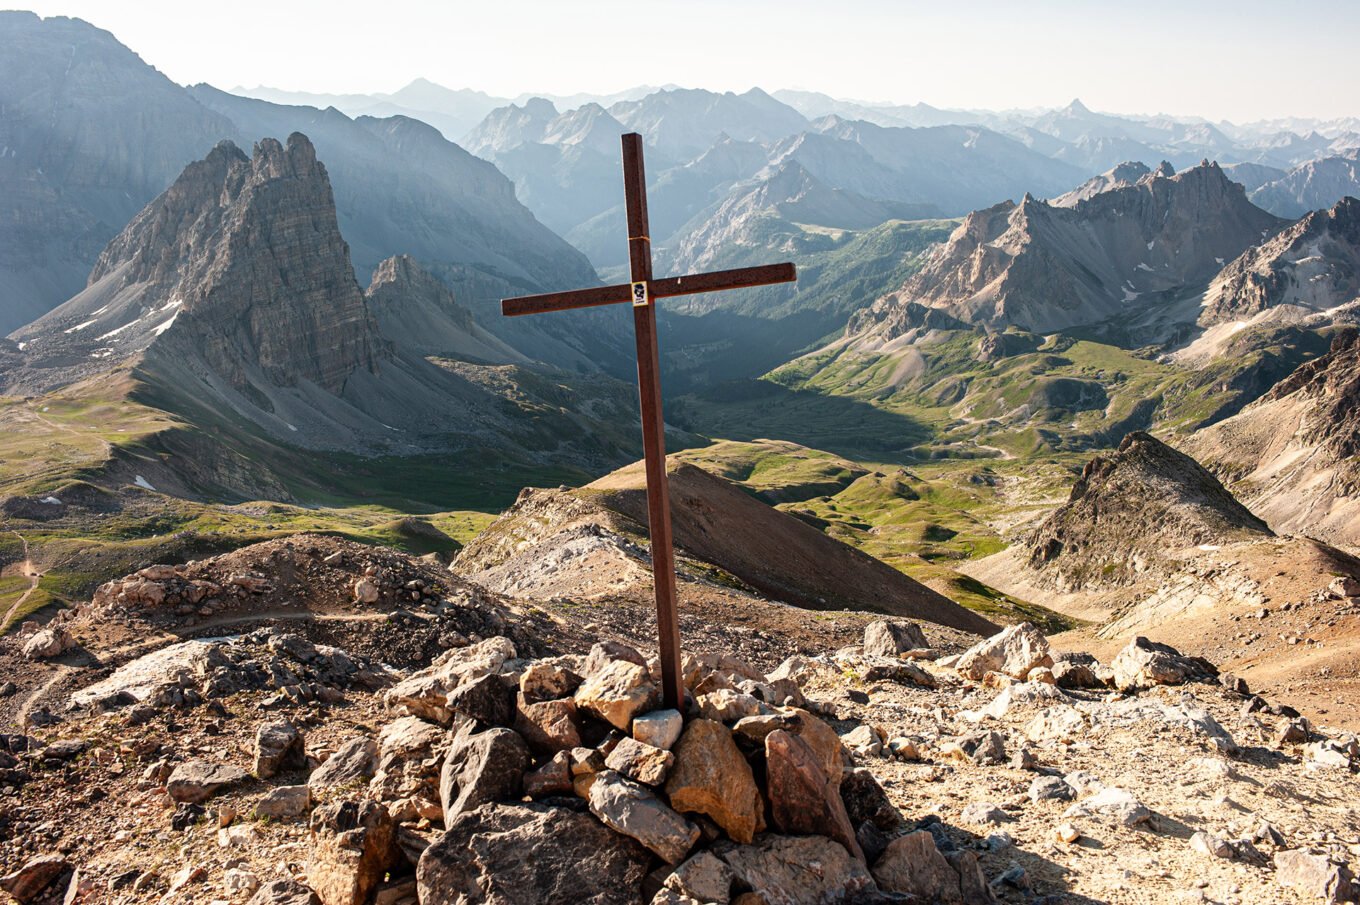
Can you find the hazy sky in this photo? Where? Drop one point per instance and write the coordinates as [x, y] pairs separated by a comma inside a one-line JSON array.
[[1239, 59]]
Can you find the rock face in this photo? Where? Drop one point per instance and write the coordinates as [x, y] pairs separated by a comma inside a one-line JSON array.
[[240, 263], [1309, 267], [510, 854], [1312, 185], [1048, 268], [1129, 510], [1292, 454]]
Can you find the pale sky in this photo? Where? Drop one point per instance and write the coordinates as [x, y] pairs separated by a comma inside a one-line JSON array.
[[1239, 59]]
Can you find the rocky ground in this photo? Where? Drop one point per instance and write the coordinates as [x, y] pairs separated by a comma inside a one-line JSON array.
[[313, 720]]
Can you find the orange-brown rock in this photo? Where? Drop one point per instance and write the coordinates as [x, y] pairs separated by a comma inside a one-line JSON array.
[[711, 777]]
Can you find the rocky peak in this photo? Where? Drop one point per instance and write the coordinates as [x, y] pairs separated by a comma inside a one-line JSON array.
[[239, 264], [1130, 510], [1306, 269]]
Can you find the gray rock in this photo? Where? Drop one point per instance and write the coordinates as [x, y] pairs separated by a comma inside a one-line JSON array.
[[284, 803], [1114, 804], [660, 728], [353, 847], [984, 813], [914, 866], [644, 763], [891, 638], [278, 746], [1013, 652], [1050, 788], [284, 892], [490, 700], [985, 748], [353, 762], [197, 780], [49, 642], [481, 768], [1144, 663], [633, 810], [519, 854], [1316, 876], [704, 878], [798, 870]]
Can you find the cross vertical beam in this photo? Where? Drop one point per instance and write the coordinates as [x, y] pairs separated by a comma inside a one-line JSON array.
[[643, 293], [653, 423]]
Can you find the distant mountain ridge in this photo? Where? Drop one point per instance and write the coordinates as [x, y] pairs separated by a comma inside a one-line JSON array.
[[1046, 268]]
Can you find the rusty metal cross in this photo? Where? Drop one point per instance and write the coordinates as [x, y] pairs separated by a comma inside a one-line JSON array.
[[643, 292]]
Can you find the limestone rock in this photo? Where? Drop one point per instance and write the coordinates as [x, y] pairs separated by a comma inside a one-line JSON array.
[[278, 746], [603, 653], [352, 849], [482, 767], [48, 642], [489, 699], [797, 870], [196, 780], [711, 777], [353, 761], [284, 803], [616, 693], [802, 799], [517, 854], [410, 752], [284, 892], [553, 778], [660, 728], [914, 866], [1114, 804], [647, 764], [633, 810], [1316, 876], [703, 878], [425, 694], [1144, 663], [727, 706], [36, 875], [548, 726], [892, 638], [1012, 652]]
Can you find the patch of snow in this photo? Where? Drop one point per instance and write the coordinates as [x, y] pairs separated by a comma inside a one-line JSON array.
[[143, 483], [51, 501], [116, 330], [1209, 548], [1144, 267], [1130, 295], [1218, 261], [290, 427], [78, 327], [46, 407], [100, 311], [1150, 244], [165, 326], [23, 346]]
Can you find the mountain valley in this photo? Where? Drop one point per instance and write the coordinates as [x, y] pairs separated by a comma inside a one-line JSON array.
[[1017, 542]]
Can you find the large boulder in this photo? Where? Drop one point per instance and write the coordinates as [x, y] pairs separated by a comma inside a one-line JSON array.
[[426, 693], [410, 754], [798, 870], [48, 642], [1012, 652], [711, 777], [353, 847], [634, 810], [198, 780], [481, 768], [1144, 663], [527, 854], [892, 638], [803, 800]]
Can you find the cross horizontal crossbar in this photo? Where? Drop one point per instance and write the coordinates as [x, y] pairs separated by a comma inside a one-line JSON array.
[[666, 287]]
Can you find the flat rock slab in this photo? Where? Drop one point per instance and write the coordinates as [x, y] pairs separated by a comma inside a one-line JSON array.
[[198, 780], [516, 854]]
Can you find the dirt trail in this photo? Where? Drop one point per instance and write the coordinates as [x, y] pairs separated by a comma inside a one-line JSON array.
[[31, 572]]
